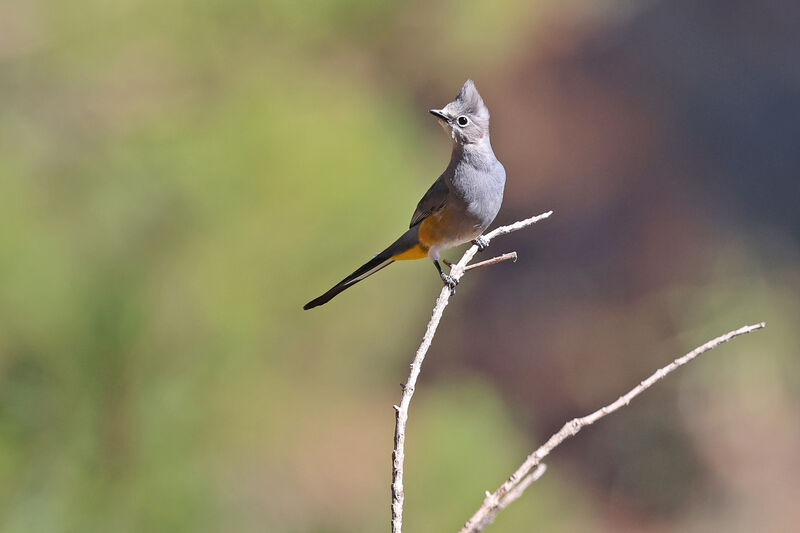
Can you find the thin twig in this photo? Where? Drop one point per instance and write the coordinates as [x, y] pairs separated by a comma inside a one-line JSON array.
[[493, 261], [518, 489], [401, 410], [516, 484]]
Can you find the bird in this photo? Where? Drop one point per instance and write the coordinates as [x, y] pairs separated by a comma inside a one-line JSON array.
[[460, 204]]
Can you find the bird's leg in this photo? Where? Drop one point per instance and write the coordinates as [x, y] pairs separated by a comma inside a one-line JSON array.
[[481, 242], [449, 280]]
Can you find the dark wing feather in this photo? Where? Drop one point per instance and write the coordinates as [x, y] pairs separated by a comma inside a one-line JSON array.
[[431, 202]]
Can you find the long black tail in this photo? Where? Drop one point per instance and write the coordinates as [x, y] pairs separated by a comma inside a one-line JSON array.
[[407, 241]]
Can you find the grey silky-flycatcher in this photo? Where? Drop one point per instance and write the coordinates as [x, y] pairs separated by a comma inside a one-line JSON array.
[[459, 205]]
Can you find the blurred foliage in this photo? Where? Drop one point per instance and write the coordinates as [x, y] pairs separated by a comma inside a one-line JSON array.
[[170, 172]]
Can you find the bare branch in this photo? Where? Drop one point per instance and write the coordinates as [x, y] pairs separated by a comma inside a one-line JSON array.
[[401, 410], [493, 261], [517, 491], [531, 469], [519, 480]]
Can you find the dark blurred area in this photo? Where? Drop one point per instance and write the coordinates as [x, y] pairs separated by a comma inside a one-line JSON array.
[[177, 179], [661, 142]]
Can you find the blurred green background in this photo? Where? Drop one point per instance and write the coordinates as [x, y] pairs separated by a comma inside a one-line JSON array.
[[177, 178]]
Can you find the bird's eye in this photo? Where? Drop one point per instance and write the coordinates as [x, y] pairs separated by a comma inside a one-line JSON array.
[[463, 121]]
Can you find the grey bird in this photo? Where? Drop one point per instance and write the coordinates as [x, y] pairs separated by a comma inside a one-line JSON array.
[[459, 205]]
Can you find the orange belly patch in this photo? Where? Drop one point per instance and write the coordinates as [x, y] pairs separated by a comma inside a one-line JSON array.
[[417, 252], [432, 230]]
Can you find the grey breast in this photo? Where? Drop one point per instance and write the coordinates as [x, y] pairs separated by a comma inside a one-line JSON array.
[[477, 185]]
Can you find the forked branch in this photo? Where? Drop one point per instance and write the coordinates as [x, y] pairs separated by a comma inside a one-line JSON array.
[[401, 410], [515, 485], [532, 468]]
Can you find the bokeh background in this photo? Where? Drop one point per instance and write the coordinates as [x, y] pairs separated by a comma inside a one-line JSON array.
[[177, 178]]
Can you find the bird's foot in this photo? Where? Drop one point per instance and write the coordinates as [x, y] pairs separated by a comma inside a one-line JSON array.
[[481, 242], [450, 282], [448, 263]]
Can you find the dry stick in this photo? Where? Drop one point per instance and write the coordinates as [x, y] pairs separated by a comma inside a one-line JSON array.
[[518, 489], [513, 487], [401, 411], [493, 261]]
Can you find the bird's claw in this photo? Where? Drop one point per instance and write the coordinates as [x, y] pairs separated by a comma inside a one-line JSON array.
[[450, 282], [481, 242]]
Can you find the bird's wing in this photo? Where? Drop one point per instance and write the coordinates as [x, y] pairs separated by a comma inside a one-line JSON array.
[[431, 202]]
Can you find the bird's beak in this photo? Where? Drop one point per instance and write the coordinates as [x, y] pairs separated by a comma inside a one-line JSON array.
[[438, 113]]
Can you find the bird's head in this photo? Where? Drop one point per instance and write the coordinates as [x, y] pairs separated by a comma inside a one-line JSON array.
[[466, 118]]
